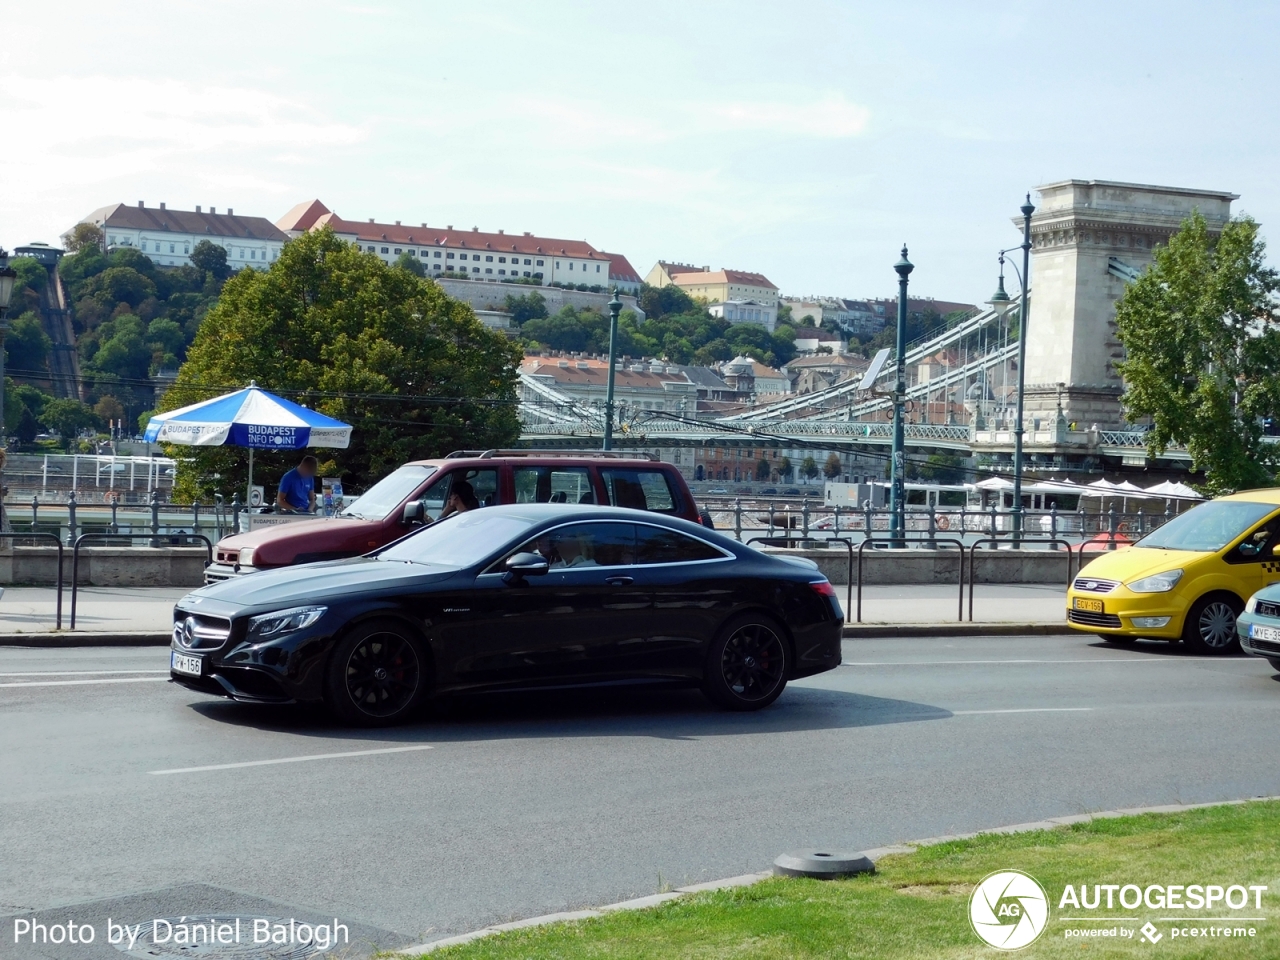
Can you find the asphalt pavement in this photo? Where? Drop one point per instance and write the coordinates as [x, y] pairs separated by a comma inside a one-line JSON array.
[[124, 795]]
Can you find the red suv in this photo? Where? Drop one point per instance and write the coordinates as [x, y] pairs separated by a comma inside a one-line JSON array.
[[416, 494]]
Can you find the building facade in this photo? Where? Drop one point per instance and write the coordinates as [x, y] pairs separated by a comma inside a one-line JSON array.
[[477, 255], [747, 311], [168, 236], [640, 385]]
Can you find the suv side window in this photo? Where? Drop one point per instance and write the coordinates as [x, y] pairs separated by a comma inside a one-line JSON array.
[[553, 485], [484, 482], [639, 489], [1258, 546]]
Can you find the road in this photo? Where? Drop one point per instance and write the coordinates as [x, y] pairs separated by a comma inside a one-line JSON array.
[[497, 808]]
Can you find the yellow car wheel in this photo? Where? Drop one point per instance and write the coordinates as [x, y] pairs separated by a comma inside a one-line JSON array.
[[1210, 627]]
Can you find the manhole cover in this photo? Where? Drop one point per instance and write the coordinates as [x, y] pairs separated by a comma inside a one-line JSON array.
[[230, 938]]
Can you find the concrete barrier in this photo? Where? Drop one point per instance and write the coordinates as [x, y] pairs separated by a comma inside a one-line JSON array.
[[915, 565], [108, 566]]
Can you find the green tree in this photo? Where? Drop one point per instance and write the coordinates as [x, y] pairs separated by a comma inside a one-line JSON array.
[[118, 285], [411, 263], [208, 257], [659, 302], [67, 418], [1202, 337], [809, 468], [122, 349], [833, 467], [412, 369], [784, 469], [85, 235], [27, 426], [27, 346], [531, 306], [762, 469]]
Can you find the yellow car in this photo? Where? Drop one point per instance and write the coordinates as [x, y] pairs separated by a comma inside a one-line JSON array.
[[1187, 580]]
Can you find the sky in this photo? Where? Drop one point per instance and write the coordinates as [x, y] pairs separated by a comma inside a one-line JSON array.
[[804, 140]]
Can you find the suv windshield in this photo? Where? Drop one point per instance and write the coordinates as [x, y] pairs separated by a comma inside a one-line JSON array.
[[1208, 527], [388, 493], [459, 540]]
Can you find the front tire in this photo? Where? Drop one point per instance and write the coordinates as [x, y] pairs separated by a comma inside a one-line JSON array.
[[747, 664], [1210, 628], [377, 674], [1275, 663]]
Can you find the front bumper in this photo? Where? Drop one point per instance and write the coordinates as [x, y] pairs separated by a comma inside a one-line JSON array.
[[216, 572], [1120, 609], [1257, 647]]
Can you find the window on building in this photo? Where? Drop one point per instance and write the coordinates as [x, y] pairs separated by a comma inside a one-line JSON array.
[[526, 263], [502, 259], [501, 271], [398, 250], [186, 248], [539, 262], [597, 268], [571, 265], [557, 264], [447, 257], [475, 269], [171, 248], [384, 249], [526, 273], [475, 256], [489, 259], [437, 254], [488, 269], [144, 244]]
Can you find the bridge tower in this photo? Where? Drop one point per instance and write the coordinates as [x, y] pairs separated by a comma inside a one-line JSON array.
[[1087, 235]]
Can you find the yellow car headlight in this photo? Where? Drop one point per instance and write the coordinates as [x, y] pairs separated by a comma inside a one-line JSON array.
[[1157, 582]]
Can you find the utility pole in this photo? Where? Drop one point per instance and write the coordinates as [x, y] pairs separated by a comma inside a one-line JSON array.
[[615, 307], [898, 490]]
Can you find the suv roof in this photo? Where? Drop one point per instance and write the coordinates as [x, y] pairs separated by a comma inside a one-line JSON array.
[[557, 454]]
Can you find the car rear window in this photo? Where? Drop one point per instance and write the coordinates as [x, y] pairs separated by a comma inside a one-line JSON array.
[[656, 545], [639, 489]]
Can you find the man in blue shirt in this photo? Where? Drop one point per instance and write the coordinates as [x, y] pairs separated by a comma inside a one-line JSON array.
[[298, 488]]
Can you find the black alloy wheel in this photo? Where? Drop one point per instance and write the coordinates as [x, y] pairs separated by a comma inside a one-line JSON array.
[[747, 666], [1210, 627], [377, 674]]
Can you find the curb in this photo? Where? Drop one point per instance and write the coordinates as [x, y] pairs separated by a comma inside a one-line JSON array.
[[747, 879], [86, 638], [1042, 628]]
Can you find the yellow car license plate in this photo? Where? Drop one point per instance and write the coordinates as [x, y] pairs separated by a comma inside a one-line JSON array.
[[1084, 603]]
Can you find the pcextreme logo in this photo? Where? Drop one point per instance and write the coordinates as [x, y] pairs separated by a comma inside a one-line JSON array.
[[1009, 909]]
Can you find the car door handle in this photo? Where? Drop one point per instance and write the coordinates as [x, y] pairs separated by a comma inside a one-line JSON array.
[[619, 581]]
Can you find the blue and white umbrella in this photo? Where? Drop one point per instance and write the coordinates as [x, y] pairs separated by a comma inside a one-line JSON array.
[[249, 418]]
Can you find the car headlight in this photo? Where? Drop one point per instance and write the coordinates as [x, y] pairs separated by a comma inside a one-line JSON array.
[[246, 557], [1157, 582], [269, 625], [1251, 605]]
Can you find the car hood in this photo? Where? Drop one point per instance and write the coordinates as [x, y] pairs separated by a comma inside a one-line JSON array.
[[311, 583], [282, 544], [1134, 562]]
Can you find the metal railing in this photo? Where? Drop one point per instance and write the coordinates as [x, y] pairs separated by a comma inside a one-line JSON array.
[[888, 544], [973, 560], [68, 518], [116, 537], [785, 541], [58, 544]]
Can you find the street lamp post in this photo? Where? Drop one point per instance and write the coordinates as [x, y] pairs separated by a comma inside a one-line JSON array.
[[1001, 303], [615, 307], [897, 489]]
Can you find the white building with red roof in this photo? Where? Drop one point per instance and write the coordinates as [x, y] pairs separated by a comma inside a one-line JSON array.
[[477, 255]]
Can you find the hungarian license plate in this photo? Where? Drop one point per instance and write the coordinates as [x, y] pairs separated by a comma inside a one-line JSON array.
[[181, 663], [1264, 633], [1085, 603]]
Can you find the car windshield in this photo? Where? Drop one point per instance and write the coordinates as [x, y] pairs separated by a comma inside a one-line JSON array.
[[388, 493], [1208, 527], [459, 540]]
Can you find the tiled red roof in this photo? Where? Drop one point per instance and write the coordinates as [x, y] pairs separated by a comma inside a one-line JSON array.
[[124, 217], [424, 236], [620, 268], [596, 373], [741, 277], [303, 216]]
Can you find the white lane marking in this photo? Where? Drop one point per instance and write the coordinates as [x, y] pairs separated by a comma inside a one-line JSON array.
[[303, 759], [941, 663], [974, 713], [77, 683], [74, 673]]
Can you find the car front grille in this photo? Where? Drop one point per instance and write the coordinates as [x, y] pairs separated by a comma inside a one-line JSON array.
[[1094, 585], [200, 632], [1265, 608], [1267, 646], [1087, 619]]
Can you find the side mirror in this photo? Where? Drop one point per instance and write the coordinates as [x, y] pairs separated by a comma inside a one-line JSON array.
[[414, 513], [526, 565]]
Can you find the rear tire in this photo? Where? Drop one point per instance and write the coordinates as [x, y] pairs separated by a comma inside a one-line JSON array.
[[377, 674], [747, 664], [1210, 627]]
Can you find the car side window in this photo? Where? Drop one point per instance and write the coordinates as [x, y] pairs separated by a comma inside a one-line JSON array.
[[639, 489], [553, 485], [484, 483], [1259, 545], [655, 545], [585, 545]]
